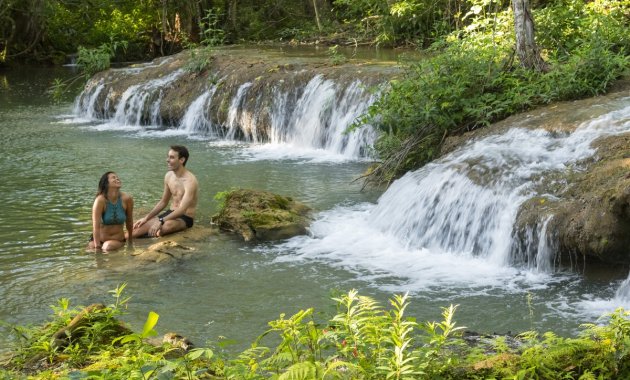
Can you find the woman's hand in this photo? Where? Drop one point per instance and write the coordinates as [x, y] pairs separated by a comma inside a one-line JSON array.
[[139, 223]]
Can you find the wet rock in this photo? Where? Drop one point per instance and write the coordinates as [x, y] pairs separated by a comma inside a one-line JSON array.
[[586, 208], [171, 85], [590, 207], [78, 325], [261, 215], [163, 251]]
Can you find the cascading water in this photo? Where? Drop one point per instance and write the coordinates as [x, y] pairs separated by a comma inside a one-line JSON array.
[[452, 222], [140, 104], [237, 118], [314, 117], [195, 119], [321, 116], [84, 105], [300, 113]]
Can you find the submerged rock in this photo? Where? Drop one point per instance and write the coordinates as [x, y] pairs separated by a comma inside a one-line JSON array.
[[163, 251], [261, 215]]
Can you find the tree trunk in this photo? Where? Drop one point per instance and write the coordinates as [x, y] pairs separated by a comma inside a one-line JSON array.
[[319, 25], [234, 16], [163, 35], [526, 48]]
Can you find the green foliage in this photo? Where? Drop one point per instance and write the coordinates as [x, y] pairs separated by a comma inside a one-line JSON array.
[[211, 32], [471, 81], [335, 57], [90, 61], [400, 22], [147, 331], [361, 341], [80, 23]]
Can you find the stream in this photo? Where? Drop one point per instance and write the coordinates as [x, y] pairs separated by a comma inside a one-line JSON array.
[[434, 233]]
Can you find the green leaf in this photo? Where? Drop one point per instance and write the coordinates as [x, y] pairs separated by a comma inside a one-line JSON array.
[[152, 320]]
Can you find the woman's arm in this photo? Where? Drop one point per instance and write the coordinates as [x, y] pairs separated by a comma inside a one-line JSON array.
[[97, 212], [129, 221]]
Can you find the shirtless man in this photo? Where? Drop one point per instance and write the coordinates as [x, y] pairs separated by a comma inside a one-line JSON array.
[[180, 185]]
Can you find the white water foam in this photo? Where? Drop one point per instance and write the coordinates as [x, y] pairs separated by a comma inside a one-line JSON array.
[[320, 119], [289, 152], [450, 223]]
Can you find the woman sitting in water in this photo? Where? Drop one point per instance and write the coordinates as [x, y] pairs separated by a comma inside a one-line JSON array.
[[112, 208]]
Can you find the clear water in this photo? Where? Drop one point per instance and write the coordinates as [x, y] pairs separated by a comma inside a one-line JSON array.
[[50, 167]]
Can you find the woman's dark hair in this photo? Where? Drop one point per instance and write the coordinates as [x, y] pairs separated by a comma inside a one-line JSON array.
[[182, 151], [103, 185]]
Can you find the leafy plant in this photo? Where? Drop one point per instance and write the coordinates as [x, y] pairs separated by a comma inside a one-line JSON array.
[[362, 340], [90, 61], [335, 57], [471, 80]]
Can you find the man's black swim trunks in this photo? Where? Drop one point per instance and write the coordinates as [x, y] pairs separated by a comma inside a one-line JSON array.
[[187, 219]]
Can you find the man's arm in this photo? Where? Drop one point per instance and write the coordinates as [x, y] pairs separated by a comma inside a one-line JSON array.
[[166, 196]]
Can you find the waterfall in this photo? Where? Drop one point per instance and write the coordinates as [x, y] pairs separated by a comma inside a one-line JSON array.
[[467, 202], [453, 220], [84, 104], [237, 117], [313, 117], [196, 119], [140, 104], [302, 112], [320, 117], [538, 247]]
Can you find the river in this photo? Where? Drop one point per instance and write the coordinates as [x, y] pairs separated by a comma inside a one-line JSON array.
[[52, 160]]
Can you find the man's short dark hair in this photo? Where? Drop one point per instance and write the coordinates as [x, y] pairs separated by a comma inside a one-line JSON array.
[[182, 151]]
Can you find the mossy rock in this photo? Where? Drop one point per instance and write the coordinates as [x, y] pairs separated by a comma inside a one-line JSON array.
[[262, 215], [590, 206]]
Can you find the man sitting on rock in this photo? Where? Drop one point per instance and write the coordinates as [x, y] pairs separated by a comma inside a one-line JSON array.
[[182, 187]]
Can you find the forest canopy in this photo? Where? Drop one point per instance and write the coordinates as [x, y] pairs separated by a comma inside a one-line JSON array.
[[49, 31]]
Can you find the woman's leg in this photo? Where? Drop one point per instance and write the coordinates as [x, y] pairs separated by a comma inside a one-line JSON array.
[[112, 245]]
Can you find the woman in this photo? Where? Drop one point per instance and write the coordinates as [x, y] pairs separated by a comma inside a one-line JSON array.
[[112, 208]]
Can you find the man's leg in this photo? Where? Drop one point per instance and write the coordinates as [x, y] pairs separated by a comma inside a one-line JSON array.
[[143, 230], [172, 226]]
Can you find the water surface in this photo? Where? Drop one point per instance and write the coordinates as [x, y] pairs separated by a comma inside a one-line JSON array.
[[50, 167]]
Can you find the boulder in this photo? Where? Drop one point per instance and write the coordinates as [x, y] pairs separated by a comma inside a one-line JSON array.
[[262, 215], [591, 210]]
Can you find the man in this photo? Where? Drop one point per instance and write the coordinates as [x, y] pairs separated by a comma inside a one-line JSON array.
[[180, 185]]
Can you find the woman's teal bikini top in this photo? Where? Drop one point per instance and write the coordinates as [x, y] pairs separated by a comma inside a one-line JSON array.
[[114, 213]]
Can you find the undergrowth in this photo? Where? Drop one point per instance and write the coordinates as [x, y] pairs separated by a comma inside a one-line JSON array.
[[363, 340], [472, 78]]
